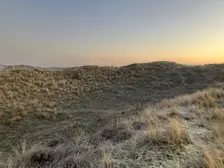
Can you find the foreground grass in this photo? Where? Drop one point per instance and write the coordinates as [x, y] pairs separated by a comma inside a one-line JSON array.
[[187, 131]]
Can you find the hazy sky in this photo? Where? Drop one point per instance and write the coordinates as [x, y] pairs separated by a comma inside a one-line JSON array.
[[111, 32]]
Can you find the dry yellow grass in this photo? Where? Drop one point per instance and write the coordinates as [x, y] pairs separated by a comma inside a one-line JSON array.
[[208, 98], [218, 129], [39, 93], [106, 161], [173, 133], [213, 160], [166, 134], [151, 142], [178, 133], [213, 154], [33, 93], [218, 114], [155, 132]]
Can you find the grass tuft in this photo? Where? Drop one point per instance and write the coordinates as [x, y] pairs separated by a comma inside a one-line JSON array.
[[213, 160], [178, 133]]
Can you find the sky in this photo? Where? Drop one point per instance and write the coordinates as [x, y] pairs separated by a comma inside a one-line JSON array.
[[111, 32]]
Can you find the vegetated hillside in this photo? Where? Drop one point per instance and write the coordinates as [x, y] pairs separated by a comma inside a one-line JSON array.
[[184, 132], [38, 105], [2, 67], [41, 93]]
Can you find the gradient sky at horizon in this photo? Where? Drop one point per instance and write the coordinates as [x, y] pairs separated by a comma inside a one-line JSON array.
[[111, 32]]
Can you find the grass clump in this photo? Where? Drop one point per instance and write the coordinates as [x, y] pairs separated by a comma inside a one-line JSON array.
[[218, 114], [178, 133], [212, 159], [173, 134], [155, 133]]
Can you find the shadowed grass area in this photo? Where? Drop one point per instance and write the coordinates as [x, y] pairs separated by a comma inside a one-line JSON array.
[[167, 141]]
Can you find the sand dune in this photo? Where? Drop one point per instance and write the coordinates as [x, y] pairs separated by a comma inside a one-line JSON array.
[[140, 115]]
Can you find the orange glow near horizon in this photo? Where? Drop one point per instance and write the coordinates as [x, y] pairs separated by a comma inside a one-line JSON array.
[[207, 49], [190, 60], [192, 57]]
